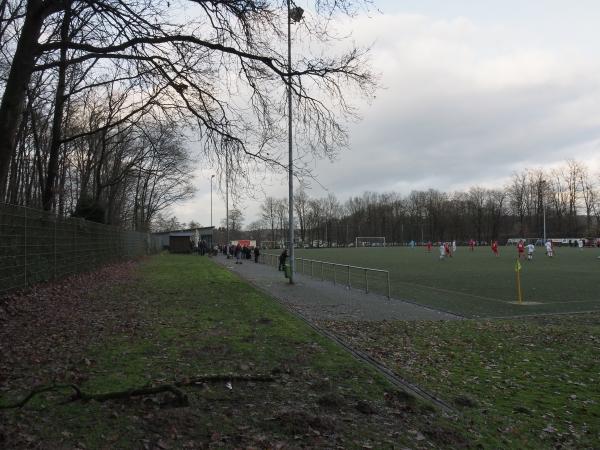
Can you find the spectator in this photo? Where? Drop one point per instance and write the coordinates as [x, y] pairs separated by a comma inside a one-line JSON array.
[[256, 254], [282, 259], [238, 254]]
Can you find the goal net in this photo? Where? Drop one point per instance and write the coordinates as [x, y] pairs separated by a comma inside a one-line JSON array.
[[369, 241]]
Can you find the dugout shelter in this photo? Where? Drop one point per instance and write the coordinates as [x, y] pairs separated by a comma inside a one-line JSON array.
[[175, 240]]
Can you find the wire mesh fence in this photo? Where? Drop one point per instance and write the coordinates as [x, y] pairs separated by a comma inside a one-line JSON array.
[[38, 246], [353, 277]]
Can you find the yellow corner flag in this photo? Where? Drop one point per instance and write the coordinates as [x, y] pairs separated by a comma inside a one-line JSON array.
[[518, 271]]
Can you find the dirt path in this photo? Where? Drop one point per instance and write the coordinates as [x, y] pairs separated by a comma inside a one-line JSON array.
[[322, 300]]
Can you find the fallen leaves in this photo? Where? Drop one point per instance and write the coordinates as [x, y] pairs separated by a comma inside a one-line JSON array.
[[533, 368], [310, 405]]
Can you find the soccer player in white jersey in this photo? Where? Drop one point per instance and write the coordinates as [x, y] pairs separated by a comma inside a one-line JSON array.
[[549, 249], [530, 250]]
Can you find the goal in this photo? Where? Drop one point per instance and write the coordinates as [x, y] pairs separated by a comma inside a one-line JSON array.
[[373, 241]]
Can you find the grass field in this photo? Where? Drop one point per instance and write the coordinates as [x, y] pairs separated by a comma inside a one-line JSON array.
[[474, 284], [530, 383]]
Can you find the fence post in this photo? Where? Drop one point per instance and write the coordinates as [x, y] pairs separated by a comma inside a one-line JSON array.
[[322, 271], [311, 268], [366, 282], [349, 285], [334, 275]]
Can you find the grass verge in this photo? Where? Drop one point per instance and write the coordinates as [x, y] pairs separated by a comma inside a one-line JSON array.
[[183, 317]]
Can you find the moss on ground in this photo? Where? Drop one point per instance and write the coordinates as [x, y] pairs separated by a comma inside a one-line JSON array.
[[524, 384]]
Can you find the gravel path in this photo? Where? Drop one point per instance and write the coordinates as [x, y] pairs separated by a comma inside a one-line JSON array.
[[322, 300]]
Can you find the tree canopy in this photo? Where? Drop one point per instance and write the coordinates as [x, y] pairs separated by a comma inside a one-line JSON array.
[[96, 94]]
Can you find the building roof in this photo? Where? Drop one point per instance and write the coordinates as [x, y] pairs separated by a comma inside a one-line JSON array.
[[190, 231]]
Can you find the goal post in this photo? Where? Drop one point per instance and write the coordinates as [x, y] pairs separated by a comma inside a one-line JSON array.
[[369, 241]]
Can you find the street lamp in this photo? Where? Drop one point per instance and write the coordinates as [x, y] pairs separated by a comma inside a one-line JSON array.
[[294, 15], [211, 221], [544, 208], [227, 199]]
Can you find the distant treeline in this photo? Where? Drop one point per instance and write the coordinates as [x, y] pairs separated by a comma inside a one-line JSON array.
[[570, 196]]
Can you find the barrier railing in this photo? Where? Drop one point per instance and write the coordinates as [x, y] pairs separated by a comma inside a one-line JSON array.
[[326, 270]]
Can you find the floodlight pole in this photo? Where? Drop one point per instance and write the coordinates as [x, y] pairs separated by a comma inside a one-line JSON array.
[[211, 208], [294, 14], [544, 208], [227, 200]]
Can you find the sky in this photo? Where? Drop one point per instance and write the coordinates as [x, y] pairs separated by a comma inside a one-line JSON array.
[[472, 91]]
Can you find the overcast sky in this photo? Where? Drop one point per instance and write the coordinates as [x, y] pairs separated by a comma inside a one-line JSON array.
[[472, 91]]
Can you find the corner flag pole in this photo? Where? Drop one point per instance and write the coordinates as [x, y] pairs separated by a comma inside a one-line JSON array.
[[518, 272]]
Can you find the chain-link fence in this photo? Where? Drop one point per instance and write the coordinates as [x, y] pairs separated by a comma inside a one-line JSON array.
[[38, 246]]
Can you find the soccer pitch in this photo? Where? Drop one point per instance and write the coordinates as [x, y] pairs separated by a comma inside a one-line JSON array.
[[473, 284]]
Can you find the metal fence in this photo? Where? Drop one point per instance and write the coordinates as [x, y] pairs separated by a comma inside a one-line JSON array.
[[37, 246], [363, 278]]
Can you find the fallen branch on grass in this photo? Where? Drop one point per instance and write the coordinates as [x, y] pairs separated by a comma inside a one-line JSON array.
[[181, 398]]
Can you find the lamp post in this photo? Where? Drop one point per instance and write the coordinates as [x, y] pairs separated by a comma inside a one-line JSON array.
[[295, 15], [227, 200], [211, 208], [544, 208]]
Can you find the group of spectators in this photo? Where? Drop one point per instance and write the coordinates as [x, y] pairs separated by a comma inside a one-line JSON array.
[[240, 252], [202, 248]]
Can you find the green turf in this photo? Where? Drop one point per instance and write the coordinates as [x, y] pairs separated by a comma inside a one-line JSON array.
[[185, 316], [526, 384], [473, 284]]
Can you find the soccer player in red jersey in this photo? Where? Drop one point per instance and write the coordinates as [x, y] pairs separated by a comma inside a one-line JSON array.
[[495, 248], [521, 248]]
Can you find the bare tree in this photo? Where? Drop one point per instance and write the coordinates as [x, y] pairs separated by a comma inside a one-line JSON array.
[[572, 176], [197, 68], [589, 195], [236, 220], [268, 211], [301, 208]]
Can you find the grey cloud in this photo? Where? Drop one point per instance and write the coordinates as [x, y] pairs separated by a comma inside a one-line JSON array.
[[463, 113]]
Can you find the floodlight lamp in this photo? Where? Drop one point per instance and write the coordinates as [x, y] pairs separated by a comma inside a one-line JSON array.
[[296, 14]]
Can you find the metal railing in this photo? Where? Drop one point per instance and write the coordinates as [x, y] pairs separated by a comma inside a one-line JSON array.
[[337, 273], [38, 246]]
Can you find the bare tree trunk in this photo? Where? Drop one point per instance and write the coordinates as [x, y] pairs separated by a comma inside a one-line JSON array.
[[59, 104], [15, 90]]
